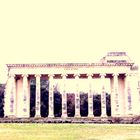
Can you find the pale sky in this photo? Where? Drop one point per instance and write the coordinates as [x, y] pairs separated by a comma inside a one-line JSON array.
[[41, 31]]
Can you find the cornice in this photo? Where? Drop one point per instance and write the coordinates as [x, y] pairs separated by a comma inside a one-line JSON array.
[[51, 65]]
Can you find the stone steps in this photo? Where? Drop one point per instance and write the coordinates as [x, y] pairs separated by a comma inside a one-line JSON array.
[[99, 120]]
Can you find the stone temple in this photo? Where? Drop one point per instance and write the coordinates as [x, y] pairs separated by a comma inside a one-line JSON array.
[[114, 73]]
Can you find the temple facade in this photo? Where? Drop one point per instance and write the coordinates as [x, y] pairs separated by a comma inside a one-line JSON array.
[[115, 74]]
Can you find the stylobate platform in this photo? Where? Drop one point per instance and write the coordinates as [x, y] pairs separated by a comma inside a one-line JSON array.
[[95, 120]]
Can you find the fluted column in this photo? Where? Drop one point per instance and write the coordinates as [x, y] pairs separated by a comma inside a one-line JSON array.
[[38, 98], [25, 96], [103, 96], [51, 97], [90, 97], [64, 97], [77, 97], [116, 96]]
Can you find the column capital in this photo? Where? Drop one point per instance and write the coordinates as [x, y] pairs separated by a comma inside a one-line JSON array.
[[24, 75], [12, 75], [37, 75], [64, 75], [76, 75], [50, 75], [115, 74], [90, 74], [102, 75]]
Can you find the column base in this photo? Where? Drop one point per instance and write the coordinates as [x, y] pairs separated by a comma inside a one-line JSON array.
[[77, 116], [25, 116], [104, 115], [64, 116], [10, 116], [37, 116], [50, 116], [129, 115], [90, 116]]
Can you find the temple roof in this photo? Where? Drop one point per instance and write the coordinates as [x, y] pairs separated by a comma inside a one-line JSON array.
[[116, 57]]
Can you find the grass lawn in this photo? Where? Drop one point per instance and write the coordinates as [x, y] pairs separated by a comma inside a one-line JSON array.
[[69, 132]]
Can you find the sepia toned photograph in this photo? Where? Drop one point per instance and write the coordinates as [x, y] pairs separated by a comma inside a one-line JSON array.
[[69, 70]]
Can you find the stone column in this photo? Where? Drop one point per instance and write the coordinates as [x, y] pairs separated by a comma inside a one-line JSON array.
[[25, 96], [135, 94], [128, 96], [7, 98], [51, 96], [103, 96], [38, 98], [90, 97], [64, 97], [116, 95], [138, 90], [77, 97], [10, 97]]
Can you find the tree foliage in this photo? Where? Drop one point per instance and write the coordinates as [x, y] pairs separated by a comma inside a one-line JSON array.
[[2, 88]]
